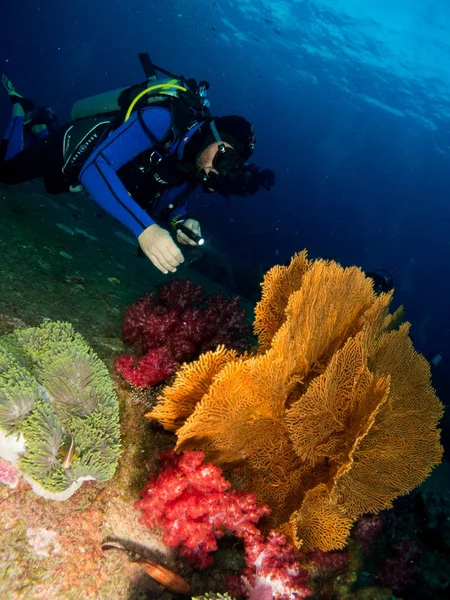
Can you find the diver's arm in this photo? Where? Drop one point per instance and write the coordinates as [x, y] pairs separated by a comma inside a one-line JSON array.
[[102, 183], [99, 174]]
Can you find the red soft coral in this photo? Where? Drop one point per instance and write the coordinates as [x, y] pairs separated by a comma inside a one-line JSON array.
[[179, 295], [180, 323], [157, 365], [147, 323], [194, 505], [225, 323]]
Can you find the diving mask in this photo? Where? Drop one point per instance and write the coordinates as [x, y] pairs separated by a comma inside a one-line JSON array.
[[227, 163]]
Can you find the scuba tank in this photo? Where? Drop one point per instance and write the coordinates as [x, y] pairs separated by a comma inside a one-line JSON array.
[[111, 102], [100, 104], [153, 91]]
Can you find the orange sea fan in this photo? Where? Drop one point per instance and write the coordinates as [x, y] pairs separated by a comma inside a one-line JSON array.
[[394, 448], [329, 308], [402, 446], [278, 285], [336, 407], [281, 482], [192, 381], [335, 415], [318, 524], [244, 404]]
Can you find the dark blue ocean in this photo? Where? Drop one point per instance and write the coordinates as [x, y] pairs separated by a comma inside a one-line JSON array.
[[350, 101]]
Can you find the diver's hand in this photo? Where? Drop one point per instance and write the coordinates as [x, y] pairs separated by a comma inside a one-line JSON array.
[[194, 226], [157, 244]]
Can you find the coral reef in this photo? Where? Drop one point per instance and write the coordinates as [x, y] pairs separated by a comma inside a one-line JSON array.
[[38, 284], [59, 416], [333, 417], [76, 566], [177, 324]]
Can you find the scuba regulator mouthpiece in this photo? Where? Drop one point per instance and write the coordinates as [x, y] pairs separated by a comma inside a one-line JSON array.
[[190, 234]]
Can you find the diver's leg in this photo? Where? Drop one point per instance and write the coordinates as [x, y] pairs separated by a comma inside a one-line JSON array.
[[12, 141], [43, 159]]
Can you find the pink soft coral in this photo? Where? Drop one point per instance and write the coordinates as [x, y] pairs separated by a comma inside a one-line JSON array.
[[273, 569], [178, 323]]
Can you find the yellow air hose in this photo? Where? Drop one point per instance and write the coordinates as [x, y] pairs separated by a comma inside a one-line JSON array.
[[161, 86]]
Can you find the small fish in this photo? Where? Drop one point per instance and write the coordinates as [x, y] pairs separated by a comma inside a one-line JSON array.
[[165, 577], [69, 455]]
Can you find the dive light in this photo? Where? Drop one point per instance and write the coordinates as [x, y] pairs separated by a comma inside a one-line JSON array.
[[190, 234]]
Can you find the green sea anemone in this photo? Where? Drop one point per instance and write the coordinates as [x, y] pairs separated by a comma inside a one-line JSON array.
[[59, 415]]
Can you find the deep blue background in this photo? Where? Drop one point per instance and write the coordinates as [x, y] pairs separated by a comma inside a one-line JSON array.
[[349, 99]]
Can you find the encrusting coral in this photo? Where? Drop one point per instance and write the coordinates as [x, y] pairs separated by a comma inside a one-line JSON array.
[[59, 415], [333, 416]]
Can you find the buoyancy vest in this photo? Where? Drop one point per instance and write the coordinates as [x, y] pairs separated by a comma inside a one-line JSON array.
[[85, 134]]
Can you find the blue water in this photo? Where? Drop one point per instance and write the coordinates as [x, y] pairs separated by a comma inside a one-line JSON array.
[[351, 105]]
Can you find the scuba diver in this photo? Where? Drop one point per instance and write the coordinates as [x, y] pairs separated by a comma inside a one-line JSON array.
[[382, 280], [252, 179], [139, 152]]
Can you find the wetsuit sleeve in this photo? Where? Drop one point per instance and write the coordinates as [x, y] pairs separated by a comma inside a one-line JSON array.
[[99, 174]]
